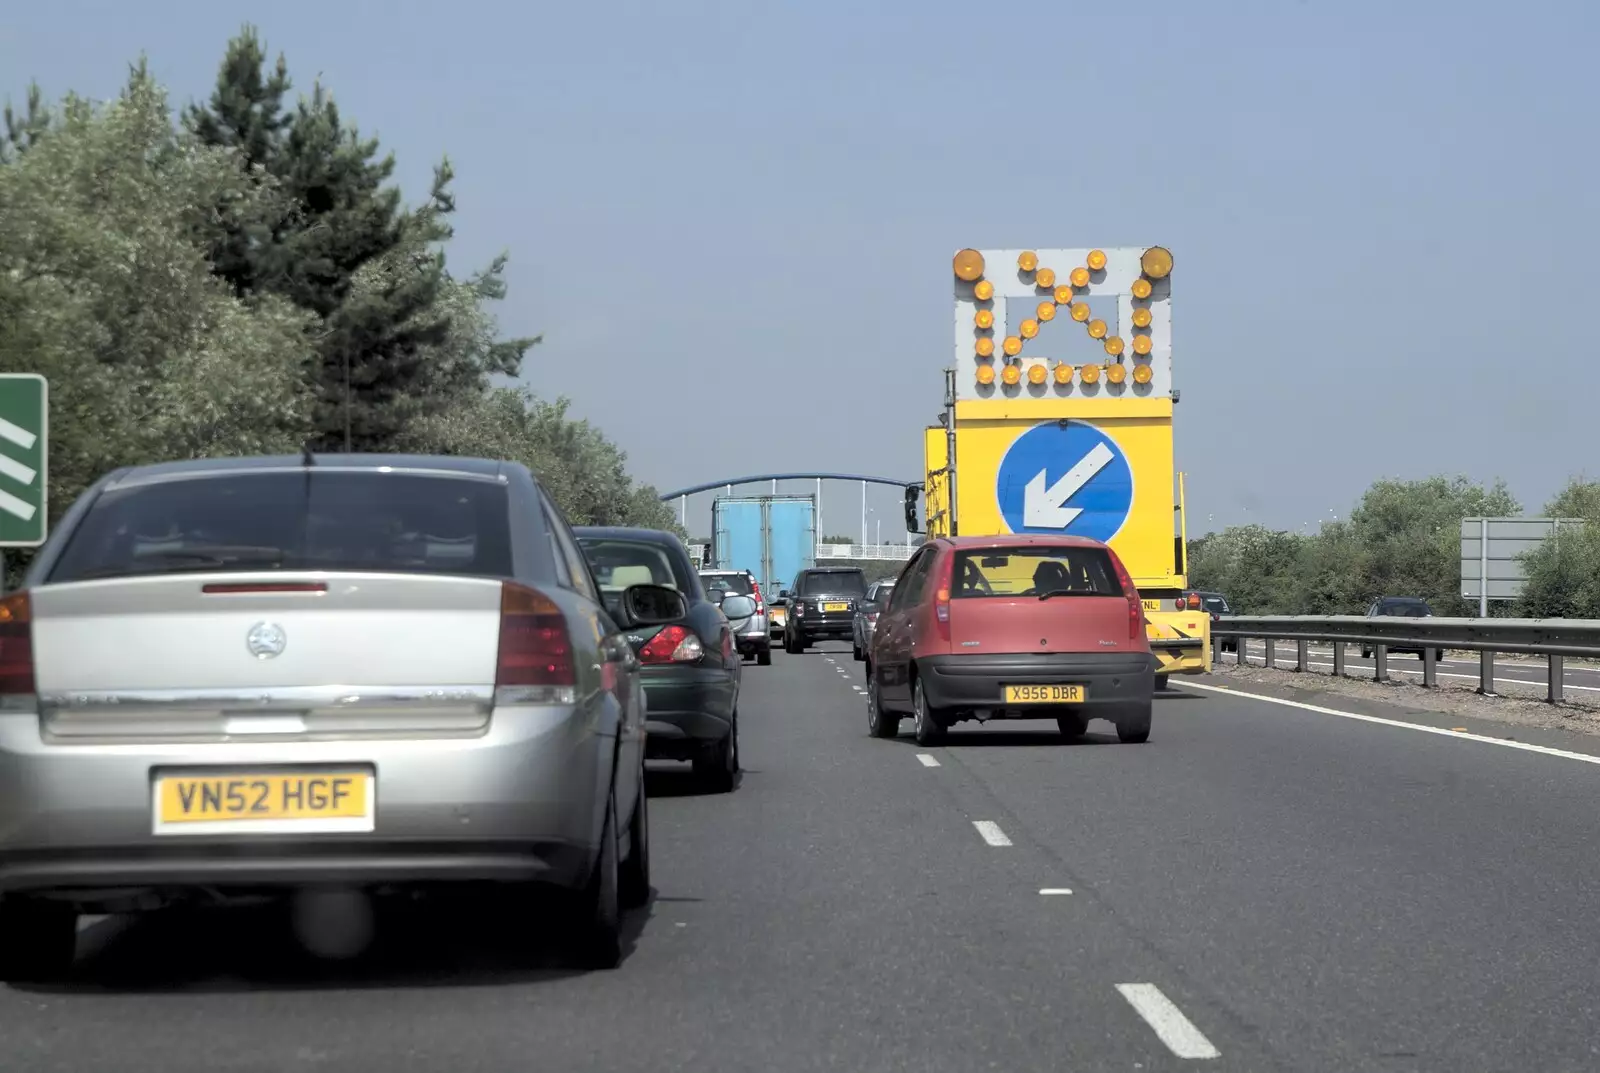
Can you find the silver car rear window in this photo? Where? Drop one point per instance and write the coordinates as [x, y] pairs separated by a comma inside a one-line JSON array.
[[390, 522], [738, 584]]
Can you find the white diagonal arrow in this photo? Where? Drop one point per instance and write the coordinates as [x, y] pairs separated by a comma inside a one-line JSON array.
[[1044, 508]]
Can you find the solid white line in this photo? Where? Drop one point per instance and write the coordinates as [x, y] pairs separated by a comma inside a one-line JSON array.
[[1458, 735], [1055, 890], [1170, 1025], [991, 832], [929, 761], [17, 435]]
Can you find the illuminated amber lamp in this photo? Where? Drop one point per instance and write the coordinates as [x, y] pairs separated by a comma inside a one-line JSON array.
[[986, 374], [1156, 263], [984, 318], [1142, 374], [1011, 374], [1046, 311], [1037, 374], [1141, 317], [1089, 374], [1028, 328], [1045, 278], [1116, 373], [1028, 260], [1096, 260], [1063, 373], [1080, 311], [983, 291], [1063, 294], [1141, 345], [1079, 277], [968, 265], [1097, 329], [1012, 346], [985, 347], [1141, 288], [1114, 346]]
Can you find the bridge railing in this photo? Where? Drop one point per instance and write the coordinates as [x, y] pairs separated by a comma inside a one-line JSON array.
[[874, 552], [886, 552], [1554, 638]]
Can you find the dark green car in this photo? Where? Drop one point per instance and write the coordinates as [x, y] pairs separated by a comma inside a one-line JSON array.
[[691, 669]]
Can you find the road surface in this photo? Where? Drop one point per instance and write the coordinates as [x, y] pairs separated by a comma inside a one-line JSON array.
[[1261, 887]]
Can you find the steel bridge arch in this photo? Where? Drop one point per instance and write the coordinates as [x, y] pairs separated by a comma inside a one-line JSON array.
[[760, 477]]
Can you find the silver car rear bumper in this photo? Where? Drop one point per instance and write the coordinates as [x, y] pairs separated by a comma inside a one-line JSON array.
[[519, 801]]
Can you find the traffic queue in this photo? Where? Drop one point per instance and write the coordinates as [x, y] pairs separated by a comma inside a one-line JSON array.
[[211, 684]]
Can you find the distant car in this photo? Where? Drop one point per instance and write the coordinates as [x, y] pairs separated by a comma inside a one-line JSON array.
[[1011, 627], [751, 635], [1397, 607], [867, 612], [1217, 605], [238, 676], [692, 669], [822, 605]]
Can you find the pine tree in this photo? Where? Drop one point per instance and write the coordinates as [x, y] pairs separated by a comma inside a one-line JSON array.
[[347, 250], [245, 114]]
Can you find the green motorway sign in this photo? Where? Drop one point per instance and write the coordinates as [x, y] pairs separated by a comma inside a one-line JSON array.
[[24, 459]]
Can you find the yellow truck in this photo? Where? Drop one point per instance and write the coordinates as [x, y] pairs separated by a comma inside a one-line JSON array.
[[1058, 414]]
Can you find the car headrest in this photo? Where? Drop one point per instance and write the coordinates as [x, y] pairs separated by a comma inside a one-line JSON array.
[[623, 577]]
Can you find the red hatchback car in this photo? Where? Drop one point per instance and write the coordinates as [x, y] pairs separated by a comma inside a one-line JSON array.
[[1011, 627]]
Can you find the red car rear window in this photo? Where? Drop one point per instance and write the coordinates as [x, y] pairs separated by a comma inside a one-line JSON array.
[[1034, 571]]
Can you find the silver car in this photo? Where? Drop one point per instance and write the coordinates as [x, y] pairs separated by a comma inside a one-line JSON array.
[[867, 612], [245, 676], [751, 634]]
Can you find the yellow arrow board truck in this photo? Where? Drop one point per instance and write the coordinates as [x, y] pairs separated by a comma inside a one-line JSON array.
[[1059, 411]]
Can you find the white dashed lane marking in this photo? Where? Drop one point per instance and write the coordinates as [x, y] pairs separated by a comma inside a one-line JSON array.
[[1055, 890], [928, 761], [1168, 1022], [991, 832]]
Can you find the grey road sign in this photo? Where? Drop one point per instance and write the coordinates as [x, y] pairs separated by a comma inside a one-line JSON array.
[[24, 459], [1493, 548]]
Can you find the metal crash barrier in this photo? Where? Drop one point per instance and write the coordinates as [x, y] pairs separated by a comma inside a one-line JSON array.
[[1555, 639]]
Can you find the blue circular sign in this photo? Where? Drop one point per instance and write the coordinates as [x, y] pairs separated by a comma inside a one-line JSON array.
[[1073, 480]]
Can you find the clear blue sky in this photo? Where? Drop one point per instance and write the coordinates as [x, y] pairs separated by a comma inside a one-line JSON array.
[[733, 222]]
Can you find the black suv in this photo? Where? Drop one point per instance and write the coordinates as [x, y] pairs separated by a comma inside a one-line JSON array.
[[822, 606]]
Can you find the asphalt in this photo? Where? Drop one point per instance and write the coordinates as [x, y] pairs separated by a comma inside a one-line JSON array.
[[1278, 888]]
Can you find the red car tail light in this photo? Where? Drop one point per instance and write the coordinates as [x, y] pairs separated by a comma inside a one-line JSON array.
[[1135, 605], [16, 645], [941, 593], [760, 603], [674, 644], [535, 661]]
